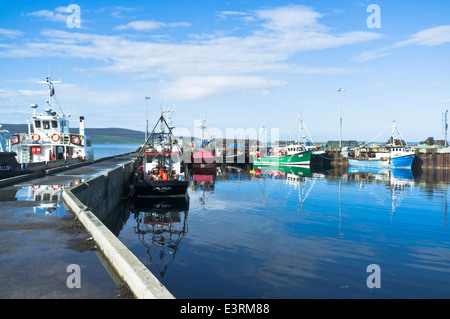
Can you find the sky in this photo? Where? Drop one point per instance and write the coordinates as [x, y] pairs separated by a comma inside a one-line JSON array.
[[239, 65]]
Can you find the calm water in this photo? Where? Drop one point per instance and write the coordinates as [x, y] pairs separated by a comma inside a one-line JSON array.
[[105, 150], [278, 233], [301, 235]]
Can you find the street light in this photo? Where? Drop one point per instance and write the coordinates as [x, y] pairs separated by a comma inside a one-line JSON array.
[[146, 117], [340, 90]]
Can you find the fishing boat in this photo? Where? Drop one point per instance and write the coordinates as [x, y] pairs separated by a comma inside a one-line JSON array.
[[293, 154], [204, 157], [162, 171], [49, 138], [397, 154]]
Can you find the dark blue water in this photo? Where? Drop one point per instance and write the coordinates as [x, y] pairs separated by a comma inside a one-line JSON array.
[[280, 234]]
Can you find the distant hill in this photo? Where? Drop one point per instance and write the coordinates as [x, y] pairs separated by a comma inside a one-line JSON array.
[[111, 135]]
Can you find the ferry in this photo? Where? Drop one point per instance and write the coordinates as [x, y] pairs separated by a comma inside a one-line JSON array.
[[49, 138], [293, 154], [162, 171], [397, 155]]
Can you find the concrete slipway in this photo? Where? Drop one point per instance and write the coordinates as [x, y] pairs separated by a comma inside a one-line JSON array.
[[39, 239]]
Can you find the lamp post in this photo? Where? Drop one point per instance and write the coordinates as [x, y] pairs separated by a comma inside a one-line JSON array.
[[146, 117], [340, 90]]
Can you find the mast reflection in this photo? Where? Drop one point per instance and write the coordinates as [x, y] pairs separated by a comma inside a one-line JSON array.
[[161, 224]]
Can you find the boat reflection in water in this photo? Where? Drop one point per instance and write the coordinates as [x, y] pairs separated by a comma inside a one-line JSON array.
[[297, 178], [397, 181], [46, 199], [203, 179], [161, 224]]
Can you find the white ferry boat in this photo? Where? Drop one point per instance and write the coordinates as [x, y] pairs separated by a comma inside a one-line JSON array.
[[49, 138]]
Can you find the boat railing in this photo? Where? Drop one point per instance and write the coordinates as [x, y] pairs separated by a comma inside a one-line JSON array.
[[55, 138]]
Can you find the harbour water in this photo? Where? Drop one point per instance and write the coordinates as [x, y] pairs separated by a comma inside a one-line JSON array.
[[276, 233], [281, 233], [105, 150]]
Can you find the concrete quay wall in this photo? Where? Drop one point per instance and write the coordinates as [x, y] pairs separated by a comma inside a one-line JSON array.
[[100, 194]]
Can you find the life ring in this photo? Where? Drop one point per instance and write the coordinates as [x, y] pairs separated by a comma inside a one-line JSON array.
[[35, 137], [74, 139], [55, 137], [35, 187], [15, 139], [55, 187]]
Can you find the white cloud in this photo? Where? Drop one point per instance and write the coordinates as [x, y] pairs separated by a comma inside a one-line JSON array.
[[150, 25], [66, 93], [203, 66], [197, 87], [428, 37], [237, 15], [290, 17], [54, 16], [120, 12], [10, 33], [366, 56]]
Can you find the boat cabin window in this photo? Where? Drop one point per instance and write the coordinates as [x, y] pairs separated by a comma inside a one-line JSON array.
[[54, 124], [37, 124], [46, 125]]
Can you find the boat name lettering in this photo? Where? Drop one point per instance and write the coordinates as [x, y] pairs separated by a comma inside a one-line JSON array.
[[163, 188]]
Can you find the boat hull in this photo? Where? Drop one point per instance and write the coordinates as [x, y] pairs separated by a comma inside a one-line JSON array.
[[396, 162], [296, 159], [158, 189]]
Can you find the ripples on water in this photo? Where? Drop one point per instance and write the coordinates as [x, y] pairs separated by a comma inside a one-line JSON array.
[[279, 233]]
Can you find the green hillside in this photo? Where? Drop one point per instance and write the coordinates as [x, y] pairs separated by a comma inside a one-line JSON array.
[[111, 135]]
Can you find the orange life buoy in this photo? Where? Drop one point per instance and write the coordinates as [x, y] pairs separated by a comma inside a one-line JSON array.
[[55, 137], [15, 139], [35, 137], [55, 187], [74, 139]]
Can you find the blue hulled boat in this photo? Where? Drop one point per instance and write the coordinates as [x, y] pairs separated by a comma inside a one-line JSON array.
[[397, 155]]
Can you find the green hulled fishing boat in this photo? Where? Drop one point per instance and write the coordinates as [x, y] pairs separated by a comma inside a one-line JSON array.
[[293, 154]]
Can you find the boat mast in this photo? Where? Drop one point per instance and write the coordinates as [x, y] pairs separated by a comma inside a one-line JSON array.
[[300, 129], [146, 116], [51, 93], [202, 127]]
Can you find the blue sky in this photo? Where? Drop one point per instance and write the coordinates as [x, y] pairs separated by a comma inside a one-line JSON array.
[[239, 64]]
